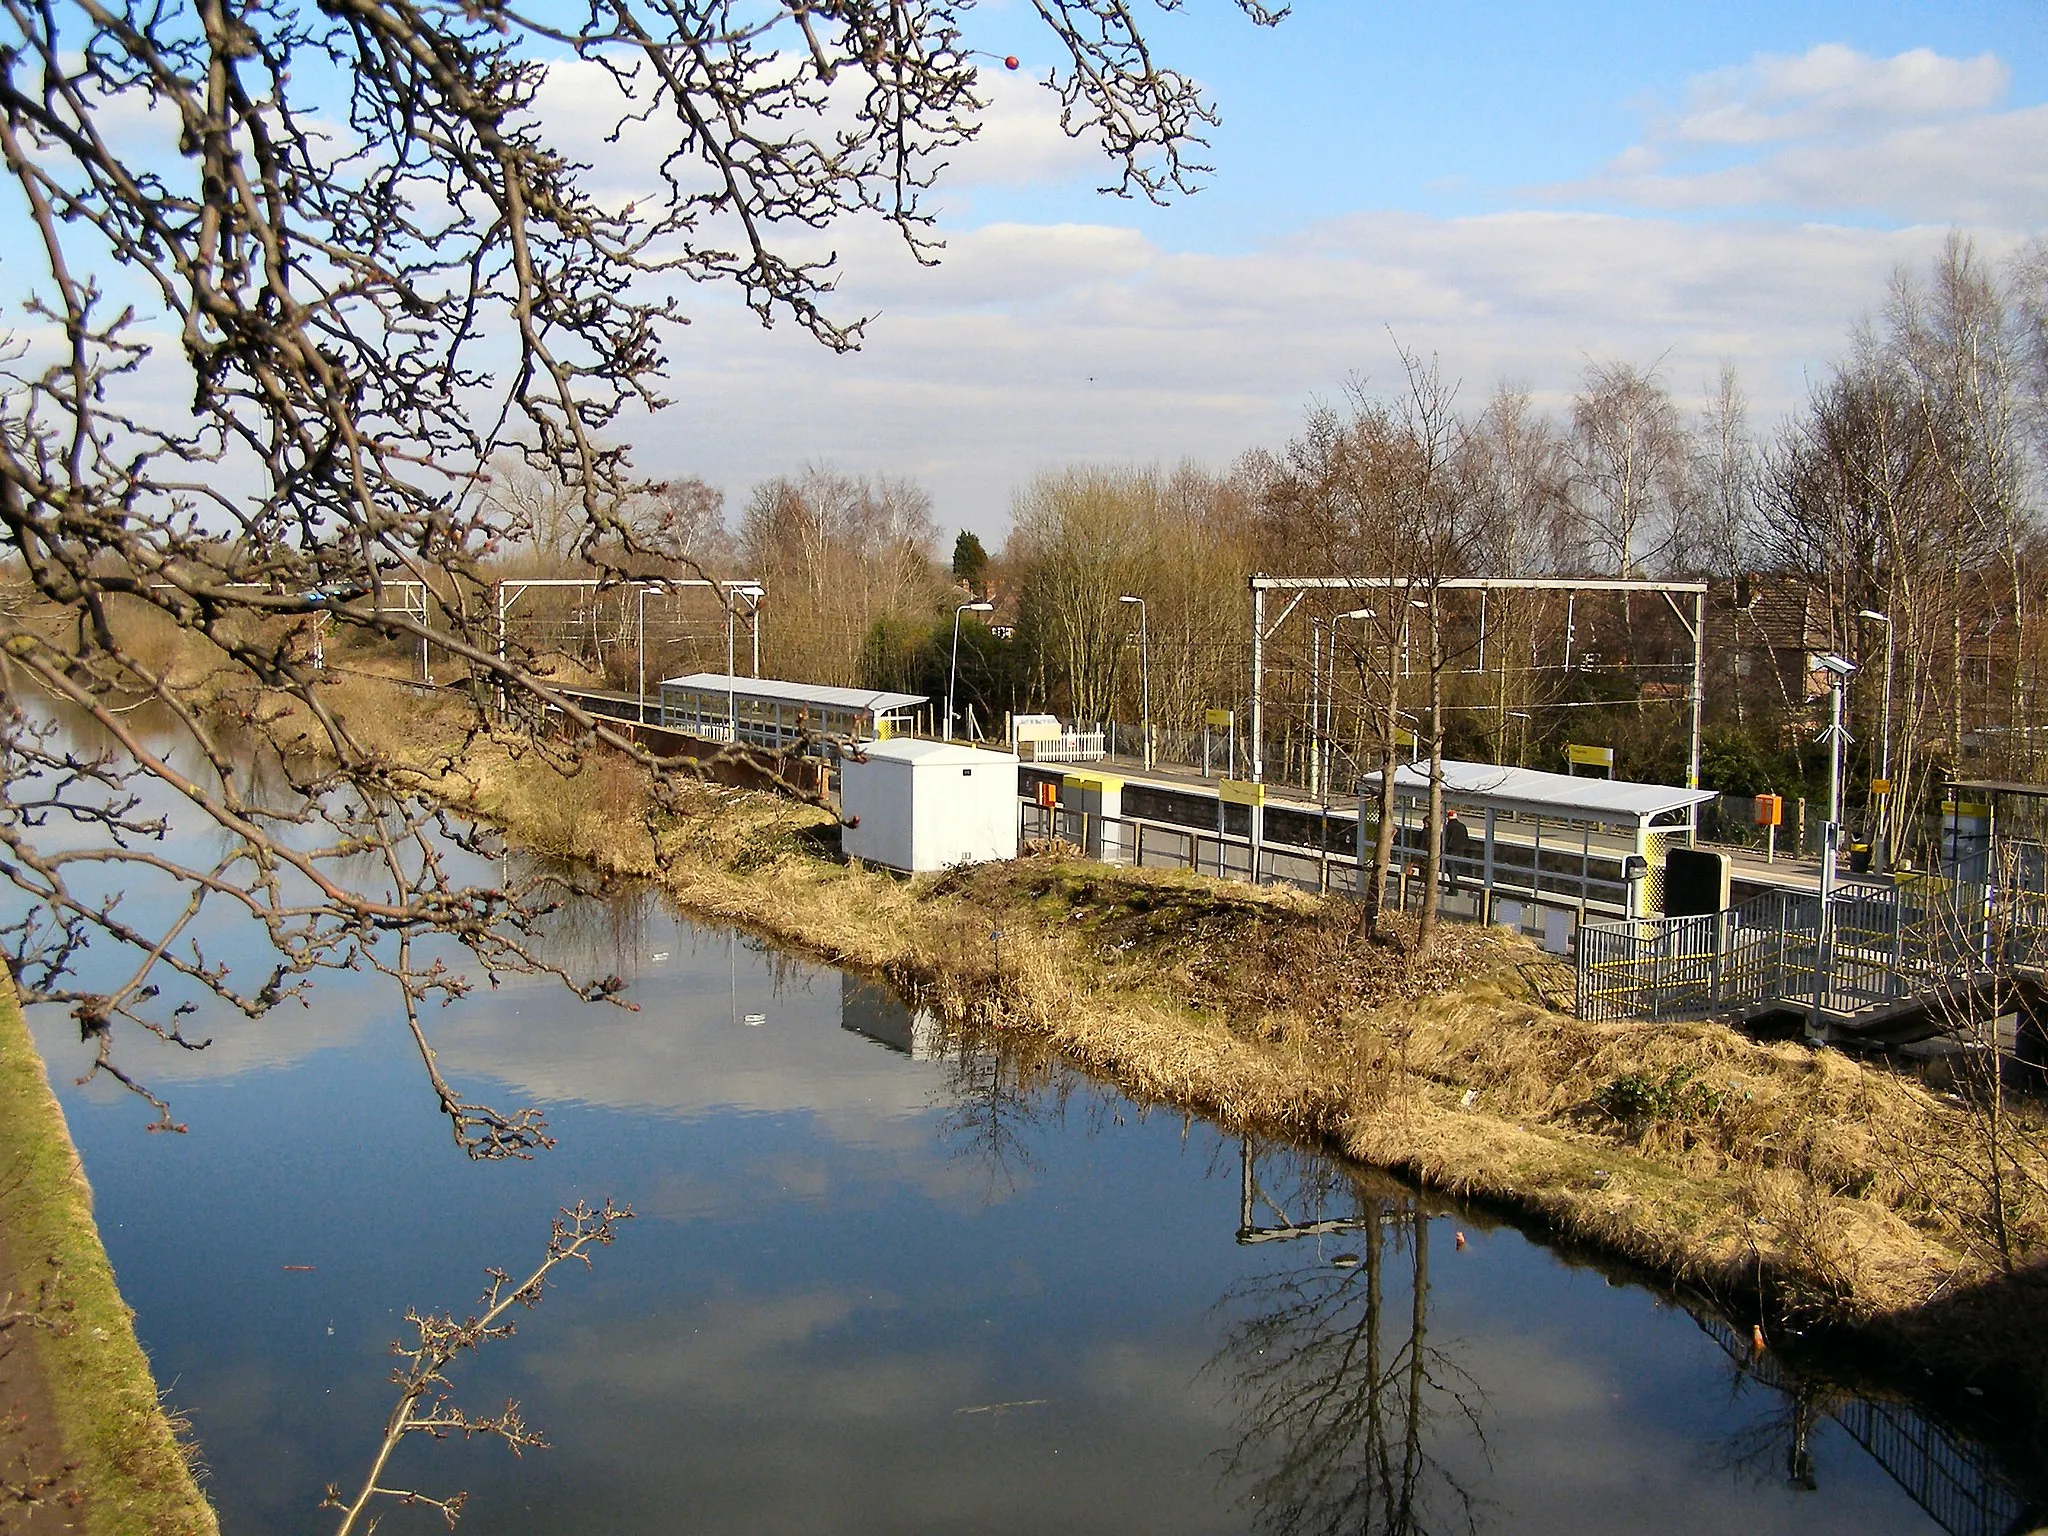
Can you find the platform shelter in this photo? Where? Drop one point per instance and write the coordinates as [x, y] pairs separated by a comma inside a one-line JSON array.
[[1519, 836], [768, 712]]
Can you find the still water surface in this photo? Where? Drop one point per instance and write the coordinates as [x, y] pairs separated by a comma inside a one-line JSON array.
[[878, 1282]]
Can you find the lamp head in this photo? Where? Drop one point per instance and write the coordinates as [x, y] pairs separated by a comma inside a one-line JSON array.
[[1873, 615], [1128, 599], [1355, 614], [976, 608]]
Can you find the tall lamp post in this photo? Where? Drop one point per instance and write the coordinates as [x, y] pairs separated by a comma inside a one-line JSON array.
[[953, 669], [729, 593], [640, 645], [1839, 672], [1884, 752], [1330, 700], [1144, 674]]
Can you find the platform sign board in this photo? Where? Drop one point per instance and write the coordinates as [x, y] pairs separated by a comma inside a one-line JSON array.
[[1590, 757], [1241, 792], [1216, 719], [1880, 786]]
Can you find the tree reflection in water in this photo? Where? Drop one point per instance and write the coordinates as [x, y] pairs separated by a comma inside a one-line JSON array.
[[997, 1094], [1340, 1394]]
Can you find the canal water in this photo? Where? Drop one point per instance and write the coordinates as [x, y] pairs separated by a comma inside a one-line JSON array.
[[880, 1281]]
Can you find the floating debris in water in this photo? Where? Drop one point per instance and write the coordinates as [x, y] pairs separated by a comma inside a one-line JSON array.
[[755, 1018], [658, 957], [1345, 1260]]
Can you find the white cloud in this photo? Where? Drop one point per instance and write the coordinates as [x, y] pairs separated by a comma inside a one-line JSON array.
[[1831, 89], [1034, 346], [1912, 137]]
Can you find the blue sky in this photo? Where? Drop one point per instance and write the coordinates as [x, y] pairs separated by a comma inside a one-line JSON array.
[[1519, 190]]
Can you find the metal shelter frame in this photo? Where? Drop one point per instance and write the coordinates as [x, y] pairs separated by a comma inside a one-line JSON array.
[[765, 711], [1301, 586]]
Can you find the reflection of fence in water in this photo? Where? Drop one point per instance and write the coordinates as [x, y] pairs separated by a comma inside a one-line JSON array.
[[1954, 1479]]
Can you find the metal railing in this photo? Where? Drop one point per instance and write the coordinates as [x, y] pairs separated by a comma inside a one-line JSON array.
[[1881, 945], [1144, 844]]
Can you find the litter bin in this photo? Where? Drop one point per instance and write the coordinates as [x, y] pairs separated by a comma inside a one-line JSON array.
[[1859, 858]]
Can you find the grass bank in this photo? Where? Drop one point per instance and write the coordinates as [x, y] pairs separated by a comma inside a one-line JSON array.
[[118, 1468]]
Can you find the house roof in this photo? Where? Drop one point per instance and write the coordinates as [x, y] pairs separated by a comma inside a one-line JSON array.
[[814, 695], [1477, 785]]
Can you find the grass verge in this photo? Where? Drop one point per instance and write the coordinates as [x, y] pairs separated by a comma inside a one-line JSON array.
[[115, 1437]]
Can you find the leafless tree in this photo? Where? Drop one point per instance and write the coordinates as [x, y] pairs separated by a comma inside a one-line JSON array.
[[838, 552], [300, 274], [1078, 544], [1628, 451]]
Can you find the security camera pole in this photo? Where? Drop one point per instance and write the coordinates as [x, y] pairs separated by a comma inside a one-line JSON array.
[[1838, 672]]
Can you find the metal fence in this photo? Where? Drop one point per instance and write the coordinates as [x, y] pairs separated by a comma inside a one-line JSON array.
[[1881, 945], [1460, 896]]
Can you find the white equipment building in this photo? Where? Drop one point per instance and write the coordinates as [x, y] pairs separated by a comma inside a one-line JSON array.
[[917, 806]]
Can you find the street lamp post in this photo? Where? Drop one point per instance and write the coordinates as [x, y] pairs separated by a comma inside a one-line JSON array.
[[640, 645], [1839, 672], [1330, 700], [1884, 753], [1144, 673], [731, 592], [953, 669]]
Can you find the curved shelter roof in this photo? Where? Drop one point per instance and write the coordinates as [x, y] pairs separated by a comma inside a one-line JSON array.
[[1530, 791]]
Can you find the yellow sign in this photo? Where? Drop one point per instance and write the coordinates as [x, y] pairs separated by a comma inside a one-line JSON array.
[[1096, 783], [1242, 792], [1880, 786], [1219, 718], [1589, 757], [1403, 738]]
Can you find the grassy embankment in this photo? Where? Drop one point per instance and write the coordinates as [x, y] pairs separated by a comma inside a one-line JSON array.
[[1819, 1190], [116, 1448]]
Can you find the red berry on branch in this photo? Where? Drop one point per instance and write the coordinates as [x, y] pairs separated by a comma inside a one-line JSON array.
[[1010, 62]]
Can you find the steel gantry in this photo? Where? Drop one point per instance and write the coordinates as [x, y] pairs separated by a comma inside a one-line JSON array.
[[1300, 586], [731, 595]]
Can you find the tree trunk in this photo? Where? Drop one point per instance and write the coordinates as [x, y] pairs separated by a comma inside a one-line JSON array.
[[1383, 844], [1433, 857]]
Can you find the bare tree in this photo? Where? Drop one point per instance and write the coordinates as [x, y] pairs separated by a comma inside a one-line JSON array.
[[263, 377], [1077, 543], [839, 551], [1628, 452]]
